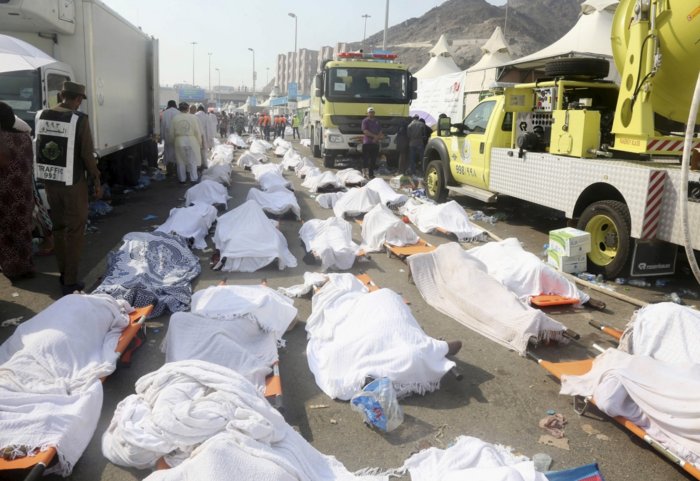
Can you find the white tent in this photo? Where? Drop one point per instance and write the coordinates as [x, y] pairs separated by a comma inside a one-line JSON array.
[[483, 73], [590, 37], [440, 63]]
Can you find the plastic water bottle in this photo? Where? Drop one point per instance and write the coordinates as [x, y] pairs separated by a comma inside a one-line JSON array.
[[661, 282], [675, 298], [621, 281], [639, 283], [542, 462], [586, 276]]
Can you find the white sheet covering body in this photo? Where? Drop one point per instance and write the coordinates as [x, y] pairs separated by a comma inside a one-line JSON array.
[[260, 169], [658, 397], [207, 192], [217, 416], [458, 285], [449, 217], [356, 201], [238, 327], [331, 241], [354, 334], [304, 167], [248, 241], [388, 196], [328, 199], [271, 180], [666, 332], [259, 146], [190, 222], [248, 159], [291, 159], [323, 181], [351, 177], [50, 370], [221, 154], [470, 458], [277, 200], [220, 173], [380, 225], [236, 140], [522, 272]]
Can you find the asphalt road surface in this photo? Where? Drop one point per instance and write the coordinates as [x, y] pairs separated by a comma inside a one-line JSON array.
[[501, 398]]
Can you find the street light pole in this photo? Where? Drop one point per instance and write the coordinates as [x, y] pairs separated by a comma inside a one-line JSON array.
[[295, 30], [253, 70], [364, 33], [193, 44], [386, 24], [210, 73], [218, 100]]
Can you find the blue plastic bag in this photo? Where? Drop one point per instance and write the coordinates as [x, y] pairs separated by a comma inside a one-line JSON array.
[[378, 403]]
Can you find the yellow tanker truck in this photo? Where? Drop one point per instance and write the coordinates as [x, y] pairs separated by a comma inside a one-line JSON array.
[[605, 155]]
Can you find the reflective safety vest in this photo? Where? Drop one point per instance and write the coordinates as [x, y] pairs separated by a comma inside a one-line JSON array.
[[56, 134]]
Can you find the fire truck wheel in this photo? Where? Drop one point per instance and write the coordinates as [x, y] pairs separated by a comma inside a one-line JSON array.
[[435, 181], [328, 161], [608, 222]]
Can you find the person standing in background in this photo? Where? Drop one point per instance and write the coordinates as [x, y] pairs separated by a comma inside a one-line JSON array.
[[64, 155], [203, 119], [188, 143], [416, 144], [168, 145], [17, 197], [372, 130], [295, 127]]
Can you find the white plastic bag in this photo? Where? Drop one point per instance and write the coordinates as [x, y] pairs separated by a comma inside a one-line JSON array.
[[378, 404]]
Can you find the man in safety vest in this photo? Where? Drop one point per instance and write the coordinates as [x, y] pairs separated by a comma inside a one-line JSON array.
[[64, 155]]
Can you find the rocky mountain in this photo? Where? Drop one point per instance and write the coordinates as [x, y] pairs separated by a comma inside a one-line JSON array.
[[530, 26]]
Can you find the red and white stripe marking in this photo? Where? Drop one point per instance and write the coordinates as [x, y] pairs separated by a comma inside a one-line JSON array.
[[661, 145], [652, 211]]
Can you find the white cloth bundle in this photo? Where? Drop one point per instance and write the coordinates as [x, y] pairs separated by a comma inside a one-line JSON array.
[[50, 370], [190, 222], [470, 458], [331, 241], [248, 241], [658, 397], [351, 177], [322, 181], [220, 173], [207, 192], [666, 332], [449, 217], [291, 159], [238, 327], [355, 334], [522, 272], [328, 199], [259, 146], [380, 225], [237, 141], [356, 201], [388, 196], [249, 159], [458, 285], [277, 200], [221, 154]]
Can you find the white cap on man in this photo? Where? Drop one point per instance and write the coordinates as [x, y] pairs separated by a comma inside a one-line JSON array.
[[370, 109]]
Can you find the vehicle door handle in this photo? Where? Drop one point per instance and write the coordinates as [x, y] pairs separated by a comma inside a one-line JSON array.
[[481, 148]]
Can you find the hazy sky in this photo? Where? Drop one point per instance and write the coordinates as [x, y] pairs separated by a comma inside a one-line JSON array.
[[227, 28]]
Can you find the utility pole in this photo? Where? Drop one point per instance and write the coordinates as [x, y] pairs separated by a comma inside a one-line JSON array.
[[193, 44], [364, 33], [386, 24], [253, 70], [209, 73]]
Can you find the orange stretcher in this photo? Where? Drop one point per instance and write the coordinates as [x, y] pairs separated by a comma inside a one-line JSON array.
[[36, 464], [579, 368], [610, 331]]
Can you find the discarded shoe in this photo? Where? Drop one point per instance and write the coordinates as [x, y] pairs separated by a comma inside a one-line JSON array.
[[453, 347]]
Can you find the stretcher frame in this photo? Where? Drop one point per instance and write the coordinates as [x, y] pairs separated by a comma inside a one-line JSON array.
[[581, 367], [38, 463]]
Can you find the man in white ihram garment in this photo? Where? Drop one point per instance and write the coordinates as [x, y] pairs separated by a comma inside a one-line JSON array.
[[188, 139], [212, 126], [168, 145], [203, 119]]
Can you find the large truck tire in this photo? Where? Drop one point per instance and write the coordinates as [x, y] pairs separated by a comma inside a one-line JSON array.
[[608, 222], [315, 146], [328, 160], [581, 68], [435, 181]]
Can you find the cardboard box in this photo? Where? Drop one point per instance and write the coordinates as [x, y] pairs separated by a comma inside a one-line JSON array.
[[569, 241], [570, 264]]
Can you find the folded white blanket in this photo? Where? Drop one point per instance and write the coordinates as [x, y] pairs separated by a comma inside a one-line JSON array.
[[449, 217], [190, 222], [248, 241], [666, 332], [50, 370], [388, 196], [522, 272], [380, 225], [207, 192], [331, 241], [458, 285], [356, 201], [354, 334], [470, 458], [658, 397], [277, 200]]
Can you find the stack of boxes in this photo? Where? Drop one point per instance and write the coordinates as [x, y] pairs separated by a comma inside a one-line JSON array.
[[568, 248]]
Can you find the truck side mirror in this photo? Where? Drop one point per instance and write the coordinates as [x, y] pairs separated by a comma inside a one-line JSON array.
[[319, 85], [443, 126]]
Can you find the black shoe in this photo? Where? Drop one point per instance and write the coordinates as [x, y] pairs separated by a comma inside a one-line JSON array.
[[453, 347], [71, 288]]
